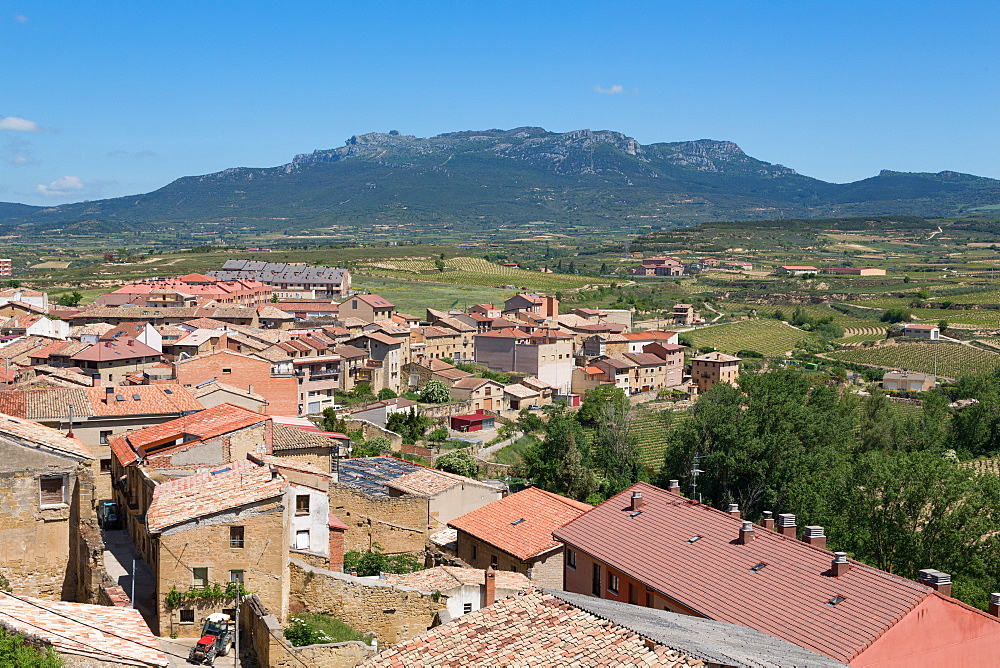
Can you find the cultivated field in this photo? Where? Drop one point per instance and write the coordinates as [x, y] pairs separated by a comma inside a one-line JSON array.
[[768, 337], [953, 360], [473, 271], [651, 427]]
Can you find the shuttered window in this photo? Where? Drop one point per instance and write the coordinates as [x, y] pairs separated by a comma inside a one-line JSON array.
[[51, 490]]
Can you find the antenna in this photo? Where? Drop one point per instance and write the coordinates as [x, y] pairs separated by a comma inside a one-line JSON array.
[[70, 434], [694, 474]]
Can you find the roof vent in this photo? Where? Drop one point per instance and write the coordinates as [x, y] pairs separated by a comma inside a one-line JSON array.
[[995, 604], [814, 536], [746, 533], [840, 564], [674, 486], [767, 521], [786, 524], [734, 510], [937, 580]]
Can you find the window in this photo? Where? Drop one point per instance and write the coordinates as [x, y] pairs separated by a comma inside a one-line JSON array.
[[301, 504], [106, 465], [235, 536], [302, 540], [236, 576], [227, 371], [494, 560], [200, 576], [106, 436], [633, 594], [187, 616], [571, 558], [475, 552], [649, 599], [612, 583], [52, 490], [595, 584], [467, 608]]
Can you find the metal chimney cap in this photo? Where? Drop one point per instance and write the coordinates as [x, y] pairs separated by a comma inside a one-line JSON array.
[[747, 526], [814, 532], [786, 520], [840, 557], [734, 507], [995, 598], [636, 495], [768, 514], [934, 576]]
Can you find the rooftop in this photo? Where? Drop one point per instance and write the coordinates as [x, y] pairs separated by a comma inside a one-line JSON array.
[[443, 578], [716, 357], [32, 434], [715, 576], [374, 476], [521, 524], [228, 486], [96, 632]]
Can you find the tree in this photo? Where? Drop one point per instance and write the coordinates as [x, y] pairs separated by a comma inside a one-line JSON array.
[[14, 651], [332, 422], [614, 448], [528, 422], [371, 448], [557, 462], [386, 393], [70, 298], [362, 390], [942, 325], [410, 424], [592, 409], [274, 299], [435, 392], [373, 561], [458, 462], [895, 315], [439, 263], [439, 435]]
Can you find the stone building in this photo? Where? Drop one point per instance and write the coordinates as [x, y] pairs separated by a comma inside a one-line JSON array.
[[46, 499], [713, 368]]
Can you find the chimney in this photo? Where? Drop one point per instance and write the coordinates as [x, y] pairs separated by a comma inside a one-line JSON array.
[[489, 587], [767, 521], [734, 510], [814, 536], [674, 486], [95, 380], [746, 533], [637, 501], [786, 524], [936, 580], [995, 604], [840, 565]]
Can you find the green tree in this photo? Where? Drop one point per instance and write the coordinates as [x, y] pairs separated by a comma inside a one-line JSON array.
[[274, 299], [435, 392], [942, 325], [439, 435], [16, 653], [332, 422], [374, 561], [70, 299], [458, 462], [895, 315], [528, 422], [386, 393], [439, 264], [410, 424], [558, 462], [362, 390], [372, 447], [592, 410]]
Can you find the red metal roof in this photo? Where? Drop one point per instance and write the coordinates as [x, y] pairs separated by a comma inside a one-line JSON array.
[[787, 598], [521, 524]]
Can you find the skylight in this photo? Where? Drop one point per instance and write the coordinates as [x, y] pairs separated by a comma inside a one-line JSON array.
[[635, 514], [759, 567], [136, 397], [119, 397], [694, 539], [835, 600], [516, 522]]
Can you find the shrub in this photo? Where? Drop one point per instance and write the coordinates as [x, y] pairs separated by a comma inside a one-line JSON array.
[[439, 435], [435, 392], [459, 463], [386, 393], [373, 561]]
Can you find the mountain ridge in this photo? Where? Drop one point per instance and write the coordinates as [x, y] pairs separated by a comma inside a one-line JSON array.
[[479, 178]]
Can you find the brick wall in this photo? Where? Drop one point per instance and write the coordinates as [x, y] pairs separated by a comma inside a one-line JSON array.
[[393, 613], [281, 392], [398, 524]]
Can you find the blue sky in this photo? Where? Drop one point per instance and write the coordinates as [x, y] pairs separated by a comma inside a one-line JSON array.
[[99, 99]]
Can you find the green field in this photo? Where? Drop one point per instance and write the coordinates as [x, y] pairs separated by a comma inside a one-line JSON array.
[[768, 337], [651, 429], [415, 297], [953, 360], [473, 271]]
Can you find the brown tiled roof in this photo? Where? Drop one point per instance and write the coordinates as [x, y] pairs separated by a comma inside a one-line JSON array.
[[713, 575], [209, 386], [18, 429], [471, 383], [443, 578], [717, 357], [290, 438], [535, 629], [159, 399], [540, 513], [96, 633], [427, 481], [118, 349], [452, 374], [644, 359], [520, 391], [373, 300], [45, 404], [350, 352], [228, 486]]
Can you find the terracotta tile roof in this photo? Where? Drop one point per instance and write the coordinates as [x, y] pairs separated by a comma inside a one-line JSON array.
[[380, 337], [650, 335], [443, 578], [452, 374], [533, 382], [45, 404], [18, 429], [159, 399], [295, 465], [592, 370], [373, 300], [97, 633], [717, 357], [118, 349], [209, 423], [428, 481], [213, 385], [535, 629], [290, 438], [350, 352], [375, 475], [713, 575], [537, 514], [520, 391], [472, 383], [644, 359], [228, 486]]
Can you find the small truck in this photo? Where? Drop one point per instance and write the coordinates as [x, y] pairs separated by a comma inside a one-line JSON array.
[[216, 640]]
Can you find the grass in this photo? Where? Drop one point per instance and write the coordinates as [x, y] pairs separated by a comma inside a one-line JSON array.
[[953, 361], [473, 271], [768, 337], [512, 455], [414, 298], [334, 628]]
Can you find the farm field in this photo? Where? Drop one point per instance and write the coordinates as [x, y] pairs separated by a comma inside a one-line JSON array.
[[415, 297], [651, 429], [771, 338], [473, 271], [952, 360]]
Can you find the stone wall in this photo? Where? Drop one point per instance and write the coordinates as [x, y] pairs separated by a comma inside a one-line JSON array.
[[393, 613], [370, 430], [447, 410], [261, 634], [398, 524]]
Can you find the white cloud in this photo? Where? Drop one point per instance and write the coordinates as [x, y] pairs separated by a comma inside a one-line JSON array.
[[20, 18], [18, 124], [616, 89], [61, 186], [22, 160]]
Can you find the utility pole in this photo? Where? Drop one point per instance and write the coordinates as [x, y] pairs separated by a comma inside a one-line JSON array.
[[694, 475]]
